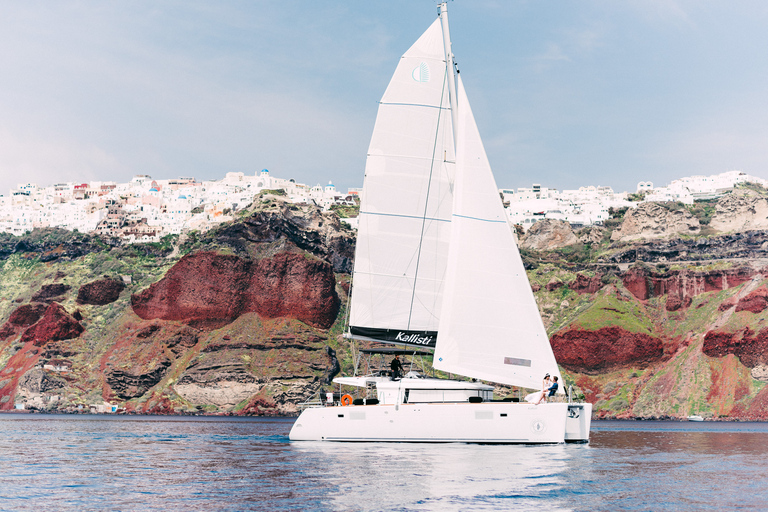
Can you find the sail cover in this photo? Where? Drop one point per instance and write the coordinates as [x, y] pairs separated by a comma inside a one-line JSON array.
[[490, 327], [405, 209]]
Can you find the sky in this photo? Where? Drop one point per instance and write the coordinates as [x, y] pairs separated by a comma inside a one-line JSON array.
[[565, 93]]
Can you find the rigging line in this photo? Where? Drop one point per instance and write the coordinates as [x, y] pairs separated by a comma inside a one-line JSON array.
[[426, 202], [401, 216]]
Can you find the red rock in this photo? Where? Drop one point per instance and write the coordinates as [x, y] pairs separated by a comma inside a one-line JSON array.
[[682, 284], [675, 303], [727, 304], [206, 287], [604, 349], [554, 284], [55, 325], [755, 302], [26, 315], [100, 292], [23, 316], [750, 348], [584, 284], [49, 292]]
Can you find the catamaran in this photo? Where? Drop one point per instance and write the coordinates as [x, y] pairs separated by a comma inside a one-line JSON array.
[[437, 267]]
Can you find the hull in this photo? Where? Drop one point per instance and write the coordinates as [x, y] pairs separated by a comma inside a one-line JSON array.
[[487, 422]]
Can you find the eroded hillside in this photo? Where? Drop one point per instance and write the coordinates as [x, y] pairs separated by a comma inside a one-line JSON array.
[[656, 314]]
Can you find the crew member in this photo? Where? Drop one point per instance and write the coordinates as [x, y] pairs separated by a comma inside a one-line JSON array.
[[397, 368]]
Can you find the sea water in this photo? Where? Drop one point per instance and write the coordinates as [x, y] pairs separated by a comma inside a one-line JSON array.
[[92, 462]]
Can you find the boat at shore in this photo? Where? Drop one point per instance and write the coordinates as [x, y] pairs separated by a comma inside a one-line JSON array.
[[695, 417], [437, 267]]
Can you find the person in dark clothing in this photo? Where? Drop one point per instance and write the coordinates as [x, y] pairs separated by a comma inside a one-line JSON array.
[[396, 367], [553, 388]]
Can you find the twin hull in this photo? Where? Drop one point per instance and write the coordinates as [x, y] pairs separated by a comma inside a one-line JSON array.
[[487, 422]]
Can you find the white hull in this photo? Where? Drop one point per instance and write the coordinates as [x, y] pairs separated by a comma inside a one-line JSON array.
[[487, 422]]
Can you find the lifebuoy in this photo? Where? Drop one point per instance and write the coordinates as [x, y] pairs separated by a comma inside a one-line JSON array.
[[346, 400]]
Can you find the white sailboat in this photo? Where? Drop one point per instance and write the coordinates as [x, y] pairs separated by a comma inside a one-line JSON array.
[[437, 266]]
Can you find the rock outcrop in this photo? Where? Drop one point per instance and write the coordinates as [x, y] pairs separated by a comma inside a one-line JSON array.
[[547, 235], [135, 381], [23, 316], [56, 324], [682, 285], [207, 288], [50, 292], [100, 292], [740, 211], [586, 284], [303, 226], [750, 244], [604, 349], [751, 348], [652, 220]]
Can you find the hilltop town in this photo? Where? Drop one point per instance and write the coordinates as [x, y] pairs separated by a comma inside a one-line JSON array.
[[146, 209]]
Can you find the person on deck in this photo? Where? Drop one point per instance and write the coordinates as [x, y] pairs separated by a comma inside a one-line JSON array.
[[553, 388], [540, 396], [397, 368]]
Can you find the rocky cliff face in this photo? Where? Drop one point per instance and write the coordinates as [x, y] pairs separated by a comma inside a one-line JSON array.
[[244, 323], [742, 211], [214, 289], [652, 220], [248, 320]]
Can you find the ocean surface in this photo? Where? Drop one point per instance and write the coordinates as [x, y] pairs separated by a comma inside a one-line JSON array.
[[92, 462]]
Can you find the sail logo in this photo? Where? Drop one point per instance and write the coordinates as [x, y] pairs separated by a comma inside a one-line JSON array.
[[413, 338], [421, 73]]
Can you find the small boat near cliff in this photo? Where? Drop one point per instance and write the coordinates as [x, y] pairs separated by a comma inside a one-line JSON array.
[[695, 417], [437, 267]]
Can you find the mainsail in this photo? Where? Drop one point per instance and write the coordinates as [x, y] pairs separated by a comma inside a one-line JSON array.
[[490, 328], [404, 223]]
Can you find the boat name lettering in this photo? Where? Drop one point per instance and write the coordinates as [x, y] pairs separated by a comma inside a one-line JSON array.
[[413, 338]]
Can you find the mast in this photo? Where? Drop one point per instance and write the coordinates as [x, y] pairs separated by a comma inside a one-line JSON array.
[[443, 14]]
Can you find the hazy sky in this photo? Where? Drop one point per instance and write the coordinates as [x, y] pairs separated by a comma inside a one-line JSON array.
[[565, 92]]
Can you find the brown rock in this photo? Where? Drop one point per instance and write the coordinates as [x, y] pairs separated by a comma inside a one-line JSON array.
[[547, 235], [755, 302], [554, 284], [100, 292], [586, 284], [49, 292]]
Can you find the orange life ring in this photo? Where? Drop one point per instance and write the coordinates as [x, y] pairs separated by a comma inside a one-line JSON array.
[[346, 400]]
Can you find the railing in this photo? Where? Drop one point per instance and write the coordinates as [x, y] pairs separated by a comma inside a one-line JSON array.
[[315, 400]]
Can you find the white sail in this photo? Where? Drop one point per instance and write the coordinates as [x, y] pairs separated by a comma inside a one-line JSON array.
[[405, 211], [490, 328]]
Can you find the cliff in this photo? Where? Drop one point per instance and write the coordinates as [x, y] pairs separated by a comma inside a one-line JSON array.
[[246, 319], [242, 319]]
